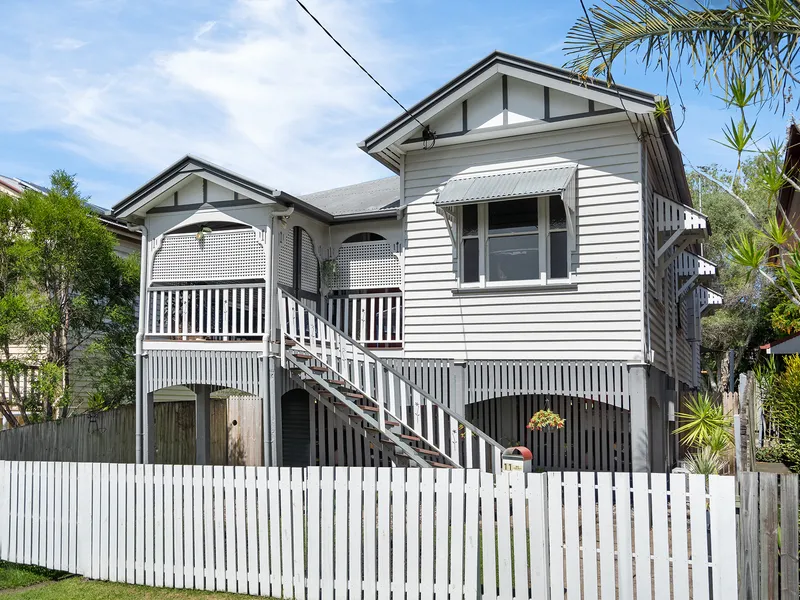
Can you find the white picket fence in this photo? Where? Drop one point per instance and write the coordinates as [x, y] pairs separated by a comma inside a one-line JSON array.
[[375, 533]]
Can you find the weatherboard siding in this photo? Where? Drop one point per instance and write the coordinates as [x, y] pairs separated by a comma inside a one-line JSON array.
[[598, 319]]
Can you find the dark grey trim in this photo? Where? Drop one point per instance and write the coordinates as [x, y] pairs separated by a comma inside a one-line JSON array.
[[175, 199], [190, 207], [509, 60], [205, 191], [514, 290], [548, 119], [591, 106], [464, 117], [547, 104], [180, 168], [365, 216], [505, 99]]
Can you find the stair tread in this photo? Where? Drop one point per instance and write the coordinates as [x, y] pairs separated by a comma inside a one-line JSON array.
[[353, 395], [392, 423], [426, 451], [361, 406], [303, 355], [319, 369], [412, 438], [335, 381]]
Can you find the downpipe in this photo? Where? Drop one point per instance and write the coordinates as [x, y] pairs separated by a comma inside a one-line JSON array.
[[142, 230], [269, 374]]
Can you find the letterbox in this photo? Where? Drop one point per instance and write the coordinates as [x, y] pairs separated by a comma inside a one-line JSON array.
[[518, 458]]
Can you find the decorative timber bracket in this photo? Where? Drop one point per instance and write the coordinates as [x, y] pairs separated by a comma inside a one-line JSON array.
[[677, 226], [708, 298], [693, 270]]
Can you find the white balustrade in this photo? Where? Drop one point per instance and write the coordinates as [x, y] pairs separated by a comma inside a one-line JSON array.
[[458, 441], [206, 312], [372, 318]]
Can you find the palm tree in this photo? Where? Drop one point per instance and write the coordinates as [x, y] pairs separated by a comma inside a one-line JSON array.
[[750, 49], [753, 40]]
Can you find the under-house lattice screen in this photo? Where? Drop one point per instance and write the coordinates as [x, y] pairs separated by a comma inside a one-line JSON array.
[[365, 265], [219, 255]]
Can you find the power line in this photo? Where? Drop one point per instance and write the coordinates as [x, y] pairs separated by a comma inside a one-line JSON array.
[[426, 131], [608, 70]]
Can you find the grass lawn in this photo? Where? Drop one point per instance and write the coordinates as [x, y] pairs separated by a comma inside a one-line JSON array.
[[16, 579], [14, 576]]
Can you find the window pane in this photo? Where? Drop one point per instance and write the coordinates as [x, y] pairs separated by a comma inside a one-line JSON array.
[[471, 260], [558, 216], [514, 258], [558, 255], [514, 216], [469, 220]]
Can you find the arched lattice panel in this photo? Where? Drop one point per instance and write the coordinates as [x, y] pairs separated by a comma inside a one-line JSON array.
[[309, 266], [220, 255], [286, 258], [365, 265]]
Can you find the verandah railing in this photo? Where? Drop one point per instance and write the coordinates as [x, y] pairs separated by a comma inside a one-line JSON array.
[[372, 319], [225, 312]]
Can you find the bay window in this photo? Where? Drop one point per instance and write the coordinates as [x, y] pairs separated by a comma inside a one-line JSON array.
[[509, 242]]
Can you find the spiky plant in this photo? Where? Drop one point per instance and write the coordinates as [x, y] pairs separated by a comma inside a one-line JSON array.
[[704, 461], [749, 50], [704, 422]]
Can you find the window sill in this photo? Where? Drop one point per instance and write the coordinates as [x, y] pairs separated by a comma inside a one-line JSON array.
[[513, 290]]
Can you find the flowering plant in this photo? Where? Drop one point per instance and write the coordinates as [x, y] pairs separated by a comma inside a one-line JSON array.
[[545, 418]]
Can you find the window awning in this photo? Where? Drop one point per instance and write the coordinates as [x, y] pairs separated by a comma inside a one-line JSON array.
[[507, 185]]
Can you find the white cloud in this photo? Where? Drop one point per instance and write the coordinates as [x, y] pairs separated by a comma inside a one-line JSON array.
[[204, 29], [68, 43], [264, 92]]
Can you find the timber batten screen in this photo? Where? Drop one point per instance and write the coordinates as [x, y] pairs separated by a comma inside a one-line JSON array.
[[216, 256]]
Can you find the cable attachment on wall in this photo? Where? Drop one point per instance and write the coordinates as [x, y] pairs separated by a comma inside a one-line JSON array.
[[428, 138]]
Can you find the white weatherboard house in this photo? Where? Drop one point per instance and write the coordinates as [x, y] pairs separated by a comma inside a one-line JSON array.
[[537, 252]]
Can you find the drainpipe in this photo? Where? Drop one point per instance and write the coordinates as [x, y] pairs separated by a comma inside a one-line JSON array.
[[268, 383], [142, 230]]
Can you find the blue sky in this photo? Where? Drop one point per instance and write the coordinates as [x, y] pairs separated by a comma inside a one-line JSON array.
[[116, 90]]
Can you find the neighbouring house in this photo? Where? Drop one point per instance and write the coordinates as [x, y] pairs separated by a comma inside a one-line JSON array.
[[128, 242], [535, 248], [789, 199]]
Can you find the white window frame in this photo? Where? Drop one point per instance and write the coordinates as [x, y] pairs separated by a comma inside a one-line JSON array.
[[543, 203]]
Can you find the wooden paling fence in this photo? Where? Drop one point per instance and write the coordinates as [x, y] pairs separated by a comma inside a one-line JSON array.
[[375, 532], [768, 536]]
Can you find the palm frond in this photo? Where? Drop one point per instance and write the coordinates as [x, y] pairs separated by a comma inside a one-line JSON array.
[[753, 43]]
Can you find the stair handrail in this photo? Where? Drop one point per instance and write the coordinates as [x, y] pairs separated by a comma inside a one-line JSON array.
[[462, 420]]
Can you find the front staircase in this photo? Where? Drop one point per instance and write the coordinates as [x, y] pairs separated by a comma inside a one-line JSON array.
[[411, 426]]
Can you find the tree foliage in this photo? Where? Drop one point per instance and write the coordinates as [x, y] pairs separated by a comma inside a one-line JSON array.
[[64, 291], [746, 50]]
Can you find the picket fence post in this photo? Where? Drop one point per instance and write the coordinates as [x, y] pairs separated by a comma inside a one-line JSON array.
[[84, 520]]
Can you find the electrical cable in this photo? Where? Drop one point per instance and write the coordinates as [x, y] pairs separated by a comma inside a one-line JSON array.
[[608, 71], [427, 134]]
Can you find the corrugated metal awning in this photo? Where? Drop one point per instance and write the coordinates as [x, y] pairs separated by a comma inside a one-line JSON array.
[[541, 181]]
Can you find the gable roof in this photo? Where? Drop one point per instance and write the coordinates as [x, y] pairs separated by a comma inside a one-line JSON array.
[[500, 62], [362, 198], [190, 165]]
